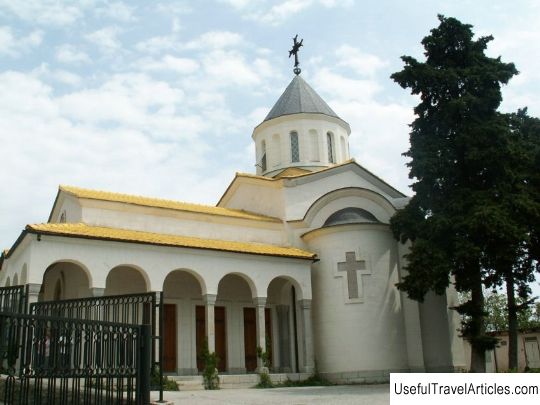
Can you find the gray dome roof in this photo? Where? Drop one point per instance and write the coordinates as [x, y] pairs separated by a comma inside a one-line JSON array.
[[350, 215], [297, 98]]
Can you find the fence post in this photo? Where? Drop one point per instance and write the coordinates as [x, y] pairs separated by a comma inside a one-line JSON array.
[[145, 348]]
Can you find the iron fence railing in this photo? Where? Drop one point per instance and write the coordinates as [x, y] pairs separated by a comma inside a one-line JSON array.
[[60, 360], [133, 309], [14, 299]]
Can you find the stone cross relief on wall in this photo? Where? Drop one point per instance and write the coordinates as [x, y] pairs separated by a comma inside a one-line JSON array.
[[352, 267]]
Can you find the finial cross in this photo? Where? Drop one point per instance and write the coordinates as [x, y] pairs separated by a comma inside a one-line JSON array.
[[294, 51]]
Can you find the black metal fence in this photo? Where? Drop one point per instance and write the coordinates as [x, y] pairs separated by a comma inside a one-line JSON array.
[[132, 309], [96, 350], [14, 299], [53, 360]]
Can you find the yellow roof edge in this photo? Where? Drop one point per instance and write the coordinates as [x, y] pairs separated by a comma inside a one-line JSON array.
[[256, 176], [82, 230], [91, 194]]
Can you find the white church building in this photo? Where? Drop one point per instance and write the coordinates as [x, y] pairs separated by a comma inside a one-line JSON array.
[[298, 258]]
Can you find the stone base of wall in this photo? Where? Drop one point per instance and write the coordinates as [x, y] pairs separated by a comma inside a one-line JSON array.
[[366, 377]]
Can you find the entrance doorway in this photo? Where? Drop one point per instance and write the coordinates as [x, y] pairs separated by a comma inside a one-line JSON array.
[[250, 337], [221, 335], [169, 338]]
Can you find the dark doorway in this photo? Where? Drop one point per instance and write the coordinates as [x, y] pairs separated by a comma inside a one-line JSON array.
[[169, 337]]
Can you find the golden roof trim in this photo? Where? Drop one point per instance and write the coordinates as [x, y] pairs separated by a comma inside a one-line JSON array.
[[82, 230], [163, 203]]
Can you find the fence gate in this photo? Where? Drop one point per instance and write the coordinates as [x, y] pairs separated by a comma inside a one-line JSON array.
[[83, 351]]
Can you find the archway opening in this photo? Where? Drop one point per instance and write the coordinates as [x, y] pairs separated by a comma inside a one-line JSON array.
[[283, 294], [65, 280], [235, 342], [125, 280], [182, 294]]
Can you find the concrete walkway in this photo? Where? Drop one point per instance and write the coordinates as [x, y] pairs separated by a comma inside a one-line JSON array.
[[341, 394]]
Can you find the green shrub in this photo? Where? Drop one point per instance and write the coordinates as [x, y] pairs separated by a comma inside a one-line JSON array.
[[264, 381], [210, 371]]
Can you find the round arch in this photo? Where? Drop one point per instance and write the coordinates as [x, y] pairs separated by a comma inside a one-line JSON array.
[[311, 216], [185, 283], [15, 279], [244, 277], [126, 279], [24, 274], [280, 282], [66, 279]]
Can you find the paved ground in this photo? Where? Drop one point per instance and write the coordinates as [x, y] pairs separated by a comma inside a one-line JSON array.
[[342, 394]]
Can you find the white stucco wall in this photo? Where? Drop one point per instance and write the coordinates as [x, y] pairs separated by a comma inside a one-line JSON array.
[[125, 216], [367, 334]]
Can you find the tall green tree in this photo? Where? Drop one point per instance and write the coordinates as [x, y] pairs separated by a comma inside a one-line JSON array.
[[455, 158], [514, 217]]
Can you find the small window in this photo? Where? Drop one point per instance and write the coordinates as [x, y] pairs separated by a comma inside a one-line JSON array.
[[330, 142], [343, 149], [295, 153], [263, 158], [314, 145], [63, 217], [276, 153]]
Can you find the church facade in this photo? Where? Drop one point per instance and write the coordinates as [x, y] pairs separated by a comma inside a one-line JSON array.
[[297, 259]]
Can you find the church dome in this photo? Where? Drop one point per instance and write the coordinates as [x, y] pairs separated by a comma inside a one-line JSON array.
[[300, 132], [299, 97], [350, 215]]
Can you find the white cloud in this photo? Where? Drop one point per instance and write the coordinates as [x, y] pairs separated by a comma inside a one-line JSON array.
[[158, 44], [169, 62], [106, 39], [229, 68], [280, 12], [126, 135], [241, 4], [274, 14], [216, 40], [117, 10], [70, 54], [57, 75], [363, 64], [343, 87], [14, 46], [47, 12]]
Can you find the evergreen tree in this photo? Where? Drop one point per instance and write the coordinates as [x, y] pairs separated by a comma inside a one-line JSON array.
[[455, 154], [514, 214]]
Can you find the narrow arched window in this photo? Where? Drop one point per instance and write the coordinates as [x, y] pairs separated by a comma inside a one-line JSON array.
[[330, 143], [276, 152], [263, 156], [295, 153], [343, 149], [313, 146]]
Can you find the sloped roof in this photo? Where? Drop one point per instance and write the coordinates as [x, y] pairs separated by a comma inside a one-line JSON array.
[[161, 203], [297, 98], [81, 230]]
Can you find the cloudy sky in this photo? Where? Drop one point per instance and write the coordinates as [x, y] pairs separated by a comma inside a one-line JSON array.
[[160, 98]]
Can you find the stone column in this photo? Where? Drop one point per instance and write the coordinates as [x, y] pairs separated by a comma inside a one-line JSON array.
[[284, 340], [308, 364], [209, 304], [97, 292], [33, 293], [260, 304]]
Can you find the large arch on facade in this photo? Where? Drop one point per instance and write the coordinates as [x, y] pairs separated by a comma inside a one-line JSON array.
[[380, 206], [184, 331], [282, 323], [126, 279], [65, 279]]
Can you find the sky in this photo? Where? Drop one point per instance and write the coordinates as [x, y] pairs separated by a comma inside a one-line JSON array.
[[160, 98]]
